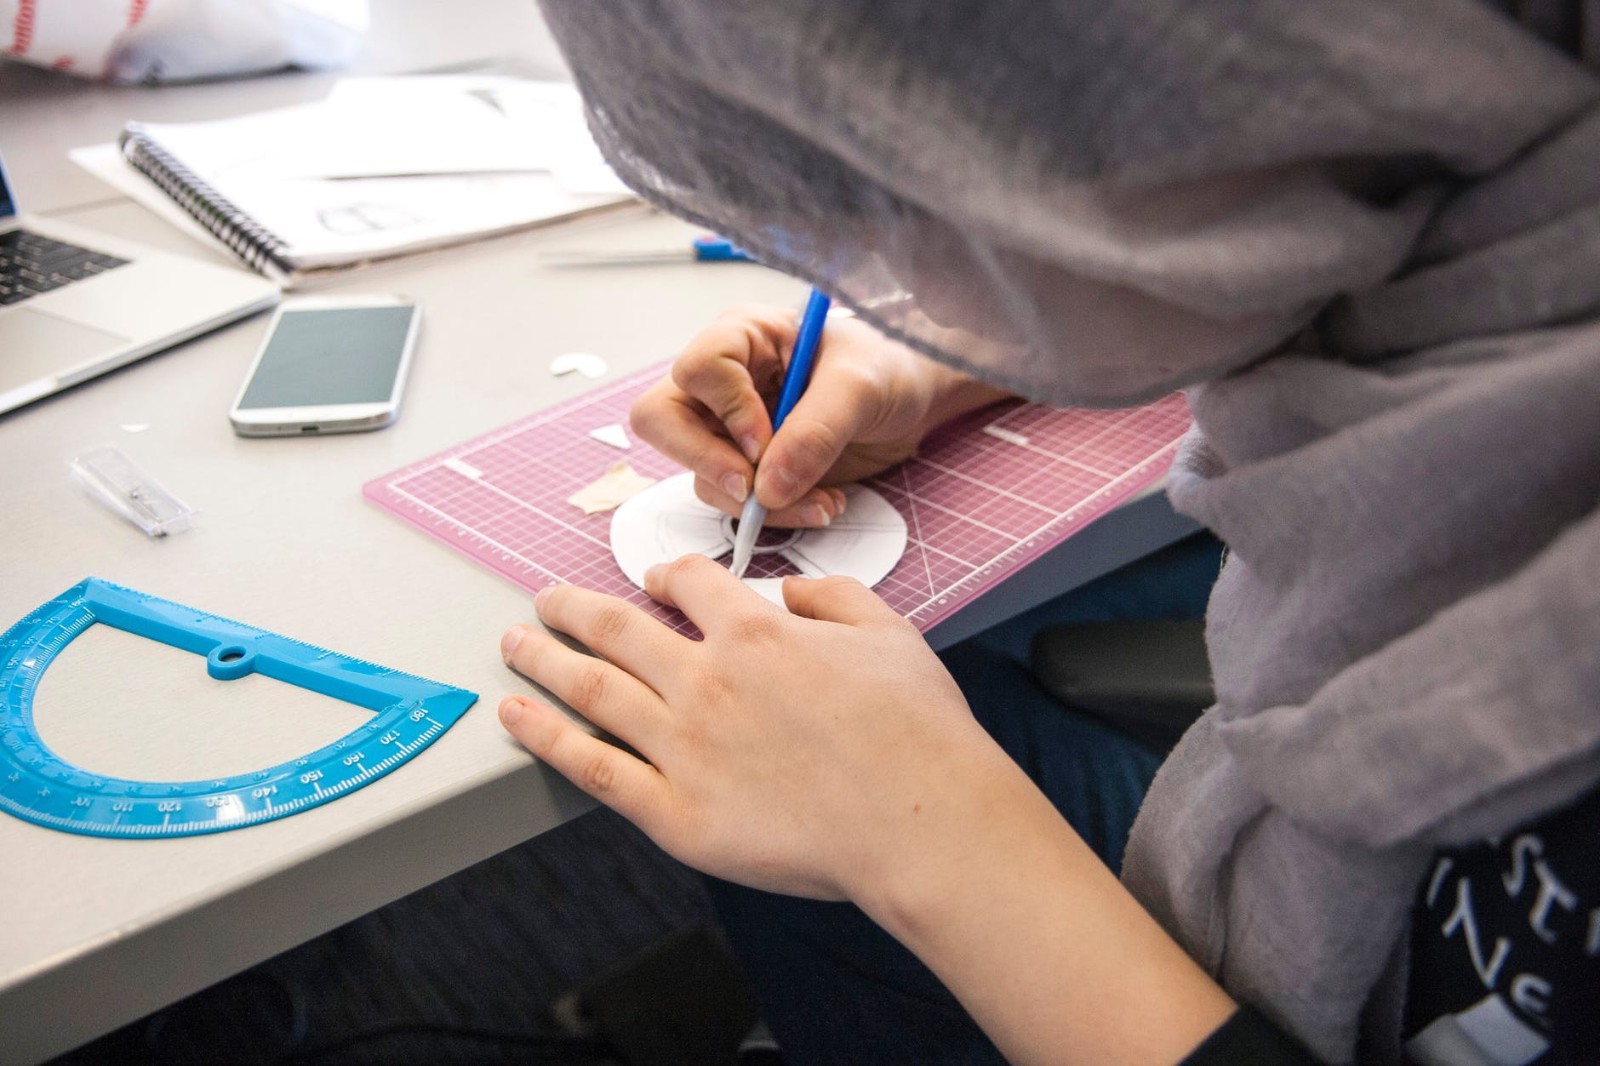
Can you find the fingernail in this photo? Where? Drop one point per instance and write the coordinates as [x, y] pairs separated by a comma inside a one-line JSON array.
[[816, 515], [751, 448], [839, 500], [784, 481], [510, 711], [540, 597], [734, 485], [653, 574], [509, 642]]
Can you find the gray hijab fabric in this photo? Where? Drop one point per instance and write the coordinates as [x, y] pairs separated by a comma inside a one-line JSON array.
[[1374, 230]]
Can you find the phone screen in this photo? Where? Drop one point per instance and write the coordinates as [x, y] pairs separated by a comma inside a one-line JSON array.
[[330, 356]]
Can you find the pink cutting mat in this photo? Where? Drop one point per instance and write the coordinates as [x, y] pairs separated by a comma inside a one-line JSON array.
[[987, 495]]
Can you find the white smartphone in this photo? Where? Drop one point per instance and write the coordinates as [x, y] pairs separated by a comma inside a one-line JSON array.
[[330, 364]]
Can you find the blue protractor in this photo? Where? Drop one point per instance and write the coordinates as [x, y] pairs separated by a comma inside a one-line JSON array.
[[38, 785]]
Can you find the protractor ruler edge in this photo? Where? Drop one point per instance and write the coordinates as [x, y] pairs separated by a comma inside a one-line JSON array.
[[39, 786]]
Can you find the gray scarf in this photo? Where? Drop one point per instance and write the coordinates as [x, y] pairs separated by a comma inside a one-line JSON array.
[[1098, 202]]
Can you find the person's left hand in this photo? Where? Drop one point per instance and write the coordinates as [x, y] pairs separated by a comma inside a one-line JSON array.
[[811, 753]]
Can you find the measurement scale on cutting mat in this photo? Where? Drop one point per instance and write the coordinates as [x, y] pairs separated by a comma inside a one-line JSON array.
[[39, 786]]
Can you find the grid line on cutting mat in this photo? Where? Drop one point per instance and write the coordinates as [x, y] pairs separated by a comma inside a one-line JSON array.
[[986, 495]]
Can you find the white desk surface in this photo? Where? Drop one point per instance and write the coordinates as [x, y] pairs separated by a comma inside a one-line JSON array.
[[99, 932]]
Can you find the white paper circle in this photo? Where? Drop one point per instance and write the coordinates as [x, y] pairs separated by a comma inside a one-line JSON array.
[[667, 521]]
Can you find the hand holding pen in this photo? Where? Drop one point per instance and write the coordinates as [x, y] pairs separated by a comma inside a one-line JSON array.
[[869, 403]]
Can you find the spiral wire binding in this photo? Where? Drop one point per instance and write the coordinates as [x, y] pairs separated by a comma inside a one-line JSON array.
[[248, 239]]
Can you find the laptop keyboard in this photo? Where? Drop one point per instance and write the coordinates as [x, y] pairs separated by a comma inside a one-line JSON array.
[[31, 264]]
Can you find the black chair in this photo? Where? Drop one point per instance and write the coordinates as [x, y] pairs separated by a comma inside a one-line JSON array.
[[1147, 677]]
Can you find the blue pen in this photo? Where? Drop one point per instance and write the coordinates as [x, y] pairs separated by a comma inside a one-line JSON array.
[[795, 379], [706, 249]]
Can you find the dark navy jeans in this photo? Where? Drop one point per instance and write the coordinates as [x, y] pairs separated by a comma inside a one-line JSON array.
[[834, 988]]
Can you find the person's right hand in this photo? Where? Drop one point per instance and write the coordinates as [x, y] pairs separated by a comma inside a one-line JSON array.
[[870, 403]]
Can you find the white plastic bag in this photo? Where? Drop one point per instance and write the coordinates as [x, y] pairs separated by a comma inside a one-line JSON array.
[[151, 41]]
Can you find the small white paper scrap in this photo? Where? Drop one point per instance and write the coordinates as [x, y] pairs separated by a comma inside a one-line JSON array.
[[590, 366], [614, 435], [1009, 436], [618, 484], [464, 468]]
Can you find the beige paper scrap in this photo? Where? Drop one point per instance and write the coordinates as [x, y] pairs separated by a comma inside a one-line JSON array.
[[619, 483]]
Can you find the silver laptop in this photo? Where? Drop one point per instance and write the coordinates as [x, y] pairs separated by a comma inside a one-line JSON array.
[[74, 304]]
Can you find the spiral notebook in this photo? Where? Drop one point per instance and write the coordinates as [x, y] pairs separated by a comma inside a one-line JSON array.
[[382, 167]]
